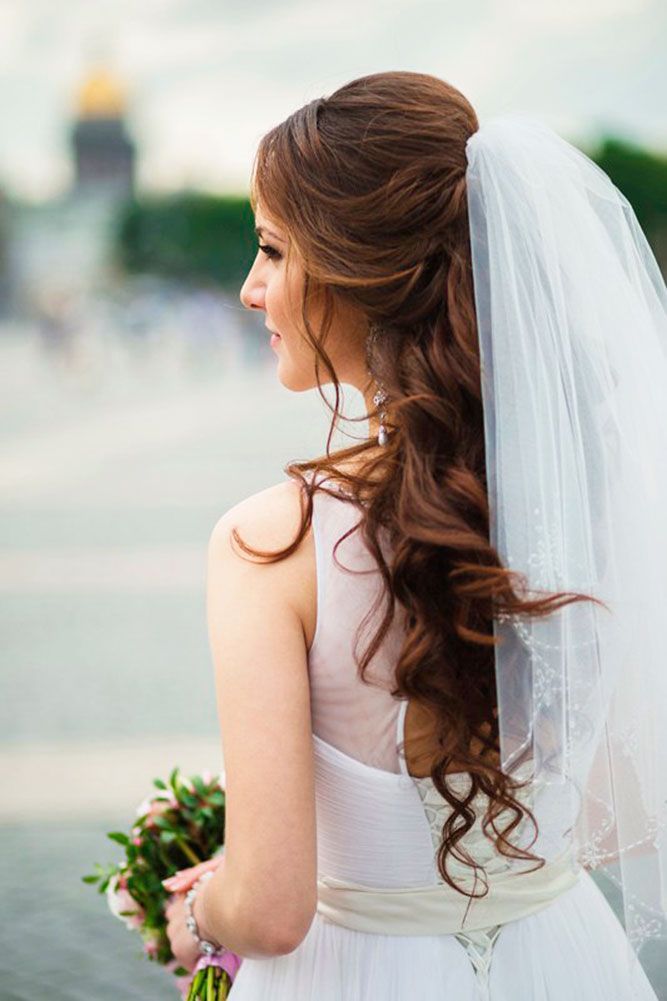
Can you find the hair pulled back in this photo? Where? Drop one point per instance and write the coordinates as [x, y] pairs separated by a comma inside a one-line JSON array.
[[370, 184]]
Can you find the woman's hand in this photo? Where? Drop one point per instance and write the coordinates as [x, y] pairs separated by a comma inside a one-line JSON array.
[[183, 945]]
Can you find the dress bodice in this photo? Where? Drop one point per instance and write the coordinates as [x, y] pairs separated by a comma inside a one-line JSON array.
[[363, 719], [379, 827]]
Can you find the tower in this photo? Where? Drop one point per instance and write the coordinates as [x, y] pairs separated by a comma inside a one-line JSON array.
[[104, 153]]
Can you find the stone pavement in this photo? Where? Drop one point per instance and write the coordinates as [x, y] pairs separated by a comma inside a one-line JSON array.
[[112, 476], [108, 493], [58, 939]]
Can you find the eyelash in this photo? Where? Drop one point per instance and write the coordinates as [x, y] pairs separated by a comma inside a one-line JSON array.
[[270, 251]]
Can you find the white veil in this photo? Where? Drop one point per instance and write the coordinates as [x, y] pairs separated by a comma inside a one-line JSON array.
[[572, 321]]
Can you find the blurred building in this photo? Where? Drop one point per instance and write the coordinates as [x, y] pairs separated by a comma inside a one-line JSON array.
[[104, 154], [63, 247]]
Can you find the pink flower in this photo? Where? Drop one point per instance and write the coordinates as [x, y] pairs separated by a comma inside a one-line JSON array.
[[120, 900], [150, 947], [152, 805], [144, 806], [156, 808], [151, 940]]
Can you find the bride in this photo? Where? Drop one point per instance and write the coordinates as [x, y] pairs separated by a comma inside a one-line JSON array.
[[438, 659]]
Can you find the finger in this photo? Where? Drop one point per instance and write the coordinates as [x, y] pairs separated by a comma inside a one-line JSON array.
[[177, 885], [213, 863], [177, 878], [183, 875], [185, 878], [170, 881]]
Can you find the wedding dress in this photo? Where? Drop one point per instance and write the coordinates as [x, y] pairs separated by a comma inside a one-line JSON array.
[[382, 904]]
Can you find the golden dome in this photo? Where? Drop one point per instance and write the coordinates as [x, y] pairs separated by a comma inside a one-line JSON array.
[[101, 96]]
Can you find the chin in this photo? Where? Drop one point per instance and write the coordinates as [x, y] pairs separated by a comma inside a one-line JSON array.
[[296, 382]]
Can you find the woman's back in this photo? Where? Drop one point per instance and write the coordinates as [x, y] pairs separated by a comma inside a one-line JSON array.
[[362, 720], [387, 925], [365, 720], [354, 722]]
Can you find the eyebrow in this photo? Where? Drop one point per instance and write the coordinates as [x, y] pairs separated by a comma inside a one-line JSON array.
[[260, 230]]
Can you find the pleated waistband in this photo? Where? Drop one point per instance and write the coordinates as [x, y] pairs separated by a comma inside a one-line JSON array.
[[438, 909]]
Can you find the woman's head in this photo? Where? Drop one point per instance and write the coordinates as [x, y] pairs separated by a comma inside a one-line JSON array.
[[364, 192]]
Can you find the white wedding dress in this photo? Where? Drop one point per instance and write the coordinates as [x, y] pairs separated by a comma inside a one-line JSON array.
[[378, 829]]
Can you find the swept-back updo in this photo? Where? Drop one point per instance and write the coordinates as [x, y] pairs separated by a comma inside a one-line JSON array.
[[370, 184]]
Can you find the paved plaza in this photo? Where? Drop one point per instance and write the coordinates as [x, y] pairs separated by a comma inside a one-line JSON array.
[[112, 476]]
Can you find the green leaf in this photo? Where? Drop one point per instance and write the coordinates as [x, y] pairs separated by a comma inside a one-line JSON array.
[[90, 879], [199, 785], [167, 837], [118, 836], [174, 777], [159, 784], [163, 823]]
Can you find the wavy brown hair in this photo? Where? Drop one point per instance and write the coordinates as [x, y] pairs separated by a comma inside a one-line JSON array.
[[370, 185]]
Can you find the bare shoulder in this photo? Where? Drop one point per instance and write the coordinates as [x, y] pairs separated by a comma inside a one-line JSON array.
[[269, 520]]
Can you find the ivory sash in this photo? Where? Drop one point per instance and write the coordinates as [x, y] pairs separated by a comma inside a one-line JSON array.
[[437, 909]]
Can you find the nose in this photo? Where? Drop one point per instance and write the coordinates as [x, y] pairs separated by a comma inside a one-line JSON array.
[[252, 292]]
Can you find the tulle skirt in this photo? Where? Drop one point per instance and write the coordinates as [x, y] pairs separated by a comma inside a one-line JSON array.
[[574, 949]]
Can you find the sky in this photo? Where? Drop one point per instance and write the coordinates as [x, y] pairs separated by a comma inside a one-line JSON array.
[[206, 78]]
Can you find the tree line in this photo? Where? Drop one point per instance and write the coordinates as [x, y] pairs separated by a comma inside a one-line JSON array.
[[195, 237]]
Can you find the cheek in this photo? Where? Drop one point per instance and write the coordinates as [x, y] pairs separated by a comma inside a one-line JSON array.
[[276, 305], [284, 294]]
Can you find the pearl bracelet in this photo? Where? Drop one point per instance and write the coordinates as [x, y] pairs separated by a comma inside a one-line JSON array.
[[205, 948]]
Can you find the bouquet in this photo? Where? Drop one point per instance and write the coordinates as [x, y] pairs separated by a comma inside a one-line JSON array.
[[181, 825]]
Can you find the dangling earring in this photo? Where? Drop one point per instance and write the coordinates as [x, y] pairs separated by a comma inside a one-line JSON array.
[[380, 398]]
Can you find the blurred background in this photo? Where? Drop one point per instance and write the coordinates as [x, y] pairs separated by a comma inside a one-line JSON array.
[[139, 399]]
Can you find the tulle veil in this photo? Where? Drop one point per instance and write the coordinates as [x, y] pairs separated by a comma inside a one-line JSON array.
[[572, 321]]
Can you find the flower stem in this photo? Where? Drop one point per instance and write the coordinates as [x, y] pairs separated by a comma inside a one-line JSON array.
[[197, 981], [185, 848]]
